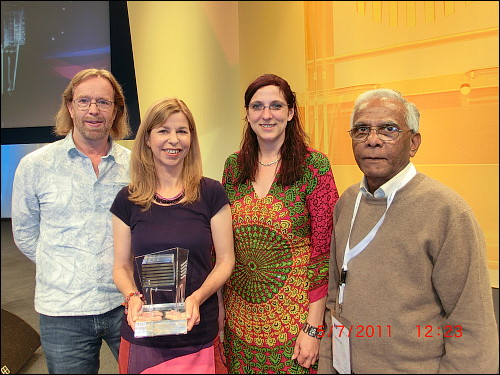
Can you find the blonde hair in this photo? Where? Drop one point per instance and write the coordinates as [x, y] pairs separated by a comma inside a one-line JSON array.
[[63, 121], [143, 175]]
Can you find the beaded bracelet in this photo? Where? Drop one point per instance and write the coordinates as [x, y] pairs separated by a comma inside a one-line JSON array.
[[130, 295]]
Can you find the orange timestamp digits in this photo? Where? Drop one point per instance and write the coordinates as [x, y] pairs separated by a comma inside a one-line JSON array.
[[358, 331]]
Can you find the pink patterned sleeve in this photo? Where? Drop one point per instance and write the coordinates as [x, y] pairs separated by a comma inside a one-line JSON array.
[[320, 202]]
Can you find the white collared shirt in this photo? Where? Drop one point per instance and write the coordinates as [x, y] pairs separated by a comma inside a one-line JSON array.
[[397, 182]]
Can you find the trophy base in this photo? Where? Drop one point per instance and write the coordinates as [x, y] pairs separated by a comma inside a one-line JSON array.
[[161, 319]]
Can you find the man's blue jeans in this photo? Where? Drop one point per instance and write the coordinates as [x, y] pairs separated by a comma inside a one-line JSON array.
[[72, 344]]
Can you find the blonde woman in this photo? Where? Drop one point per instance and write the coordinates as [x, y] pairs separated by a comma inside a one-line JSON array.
[[170, 204]]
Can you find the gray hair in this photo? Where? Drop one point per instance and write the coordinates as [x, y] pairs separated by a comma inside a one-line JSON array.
[[412, 115]]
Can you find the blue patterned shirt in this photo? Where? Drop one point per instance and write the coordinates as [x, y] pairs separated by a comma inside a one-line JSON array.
[[61, 221]]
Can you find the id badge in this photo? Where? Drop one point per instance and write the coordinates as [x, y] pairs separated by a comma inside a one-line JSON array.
[[341, 345]]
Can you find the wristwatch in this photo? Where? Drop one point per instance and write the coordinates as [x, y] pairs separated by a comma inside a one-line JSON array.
[[312, 331]]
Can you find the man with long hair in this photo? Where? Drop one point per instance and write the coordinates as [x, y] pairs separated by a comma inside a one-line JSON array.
[[61, 221]]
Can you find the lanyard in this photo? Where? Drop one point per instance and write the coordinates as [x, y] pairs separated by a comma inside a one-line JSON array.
[[356, 250]]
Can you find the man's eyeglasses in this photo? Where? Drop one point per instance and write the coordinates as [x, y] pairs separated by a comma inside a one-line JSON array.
[[386, 133], [254, 107], [103, 104]]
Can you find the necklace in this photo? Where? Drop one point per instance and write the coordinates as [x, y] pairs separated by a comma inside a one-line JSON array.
[[269, 164], [159, 199]]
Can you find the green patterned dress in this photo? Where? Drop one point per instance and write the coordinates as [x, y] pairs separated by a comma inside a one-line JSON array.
[[282, 246]]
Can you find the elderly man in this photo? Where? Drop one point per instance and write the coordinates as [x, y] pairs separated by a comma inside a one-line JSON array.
[[409, 290]]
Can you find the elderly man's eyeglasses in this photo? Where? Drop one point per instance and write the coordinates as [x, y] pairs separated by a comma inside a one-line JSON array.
[[102, 104], [257, 107], [386, 133]]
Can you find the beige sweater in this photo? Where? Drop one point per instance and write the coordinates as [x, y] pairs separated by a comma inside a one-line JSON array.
[[425, 267]]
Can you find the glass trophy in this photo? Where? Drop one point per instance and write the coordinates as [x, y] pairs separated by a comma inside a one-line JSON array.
[[163, 279]]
